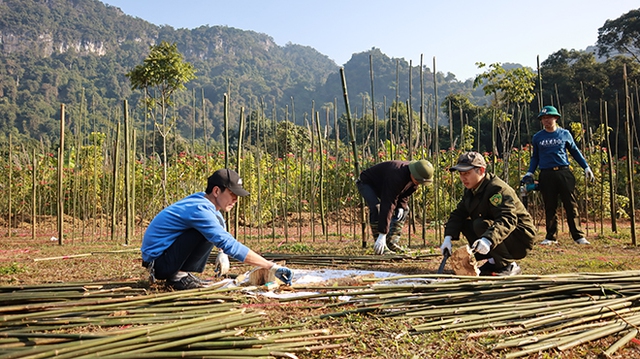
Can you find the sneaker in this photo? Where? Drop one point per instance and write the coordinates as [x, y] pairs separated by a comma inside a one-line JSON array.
[[186, 282], [582, 241], [511, 269], [199, 280], [547, 242]]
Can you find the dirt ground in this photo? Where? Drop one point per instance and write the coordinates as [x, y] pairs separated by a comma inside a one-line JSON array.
[[89, 254]]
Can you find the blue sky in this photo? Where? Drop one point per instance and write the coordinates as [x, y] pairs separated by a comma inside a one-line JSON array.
[[458, 33]]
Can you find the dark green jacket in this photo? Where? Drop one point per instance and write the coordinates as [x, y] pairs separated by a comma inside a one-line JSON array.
[[497, 202]]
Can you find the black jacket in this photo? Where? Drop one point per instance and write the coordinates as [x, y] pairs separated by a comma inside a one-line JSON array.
[[391, 181]]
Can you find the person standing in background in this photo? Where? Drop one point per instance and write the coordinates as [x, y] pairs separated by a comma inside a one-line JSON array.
[[551, 147]]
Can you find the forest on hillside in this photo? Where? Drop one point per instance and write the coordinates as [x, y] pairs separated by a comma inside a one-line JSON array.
[[278, 115]]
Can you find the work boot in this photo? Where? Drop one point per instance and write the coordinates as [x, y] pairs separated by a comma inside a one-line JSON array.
[[394, 246], [395, 233]]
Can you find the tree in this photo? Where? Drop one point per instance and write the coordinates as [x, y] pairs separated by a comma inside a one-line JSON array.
[[162, 73], [621, 35], [510, 89]]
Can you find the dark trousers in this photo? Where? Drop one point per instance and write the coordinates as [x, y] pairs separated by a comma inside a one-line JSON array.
[[515, 246], [188, 253], [561, 183], [373, 203]]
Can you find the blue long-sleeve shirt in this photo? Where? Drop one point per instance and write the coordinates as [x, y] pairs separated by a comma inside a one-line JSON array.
[[194, 211], [550, 150]]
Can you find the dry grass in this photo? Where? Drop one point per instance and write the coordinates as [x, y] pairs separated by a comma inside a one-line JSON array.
[[94, 258]]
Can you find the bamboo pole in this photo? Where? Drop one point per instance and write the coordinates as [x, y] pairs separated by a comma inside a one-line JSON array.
[[321, 180], [631, 334], [373, 108], [114, 185], [630, 167], [436, 153], [34, 192], [236, 222], [9, 186], [354, 152], [127, 175], [60, 200]]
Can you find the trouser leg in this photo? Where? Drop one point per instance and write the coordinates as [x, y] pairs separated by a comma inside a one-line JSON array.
[[570, 204], [515, 246], [395, 232], [550, 189], [373, 204], [188, 253]]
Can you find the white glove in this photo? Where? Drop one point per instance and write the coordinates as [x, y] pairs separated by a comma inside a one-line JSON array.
[[400, 213], [589, 173], [222, 264], [283, 273], [446, 245], [482, 246], [380, 245]]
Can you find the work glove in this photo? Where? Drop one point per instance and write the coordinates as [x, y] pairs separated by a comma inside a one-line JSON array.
[[527, 178], [399, 213], [283, 273], [589, 173], [222, 264], [482, 246], [446, 245], [381, 244]]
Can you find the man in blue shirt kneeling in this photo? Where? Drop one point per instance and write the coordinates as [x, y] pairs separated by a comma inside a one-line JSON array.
[[180, 238]]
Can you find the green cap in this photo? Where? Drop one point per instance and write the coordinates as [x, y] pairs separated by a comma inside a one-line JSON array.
[[548, 111], [422, 171]]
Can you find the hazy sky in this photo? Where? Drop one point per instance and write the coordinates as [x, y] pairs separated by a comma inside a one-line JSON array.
[[458, 33]]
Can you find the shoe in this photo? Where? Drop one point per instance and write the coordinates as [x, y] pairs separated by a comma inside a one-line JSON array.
[[582, 241], [547, 242], [511, 269], [186, 282], [199, 280], [395, 247], [487, 269]]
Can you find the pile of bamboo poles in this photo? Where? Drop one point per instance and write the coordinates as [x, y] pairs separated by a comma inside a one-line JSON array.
[[523, 314], [330, 260], [77, 321]]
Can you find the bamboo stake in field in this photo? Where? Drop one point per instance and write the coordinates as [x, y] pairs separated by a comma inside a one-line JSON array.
[[354, 152], [436, 153], [127, 175], [34, 191], [321, 179], [10, 180], [241, 122], [114, 185], [612, 182], [630, 168], [60, 178]]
